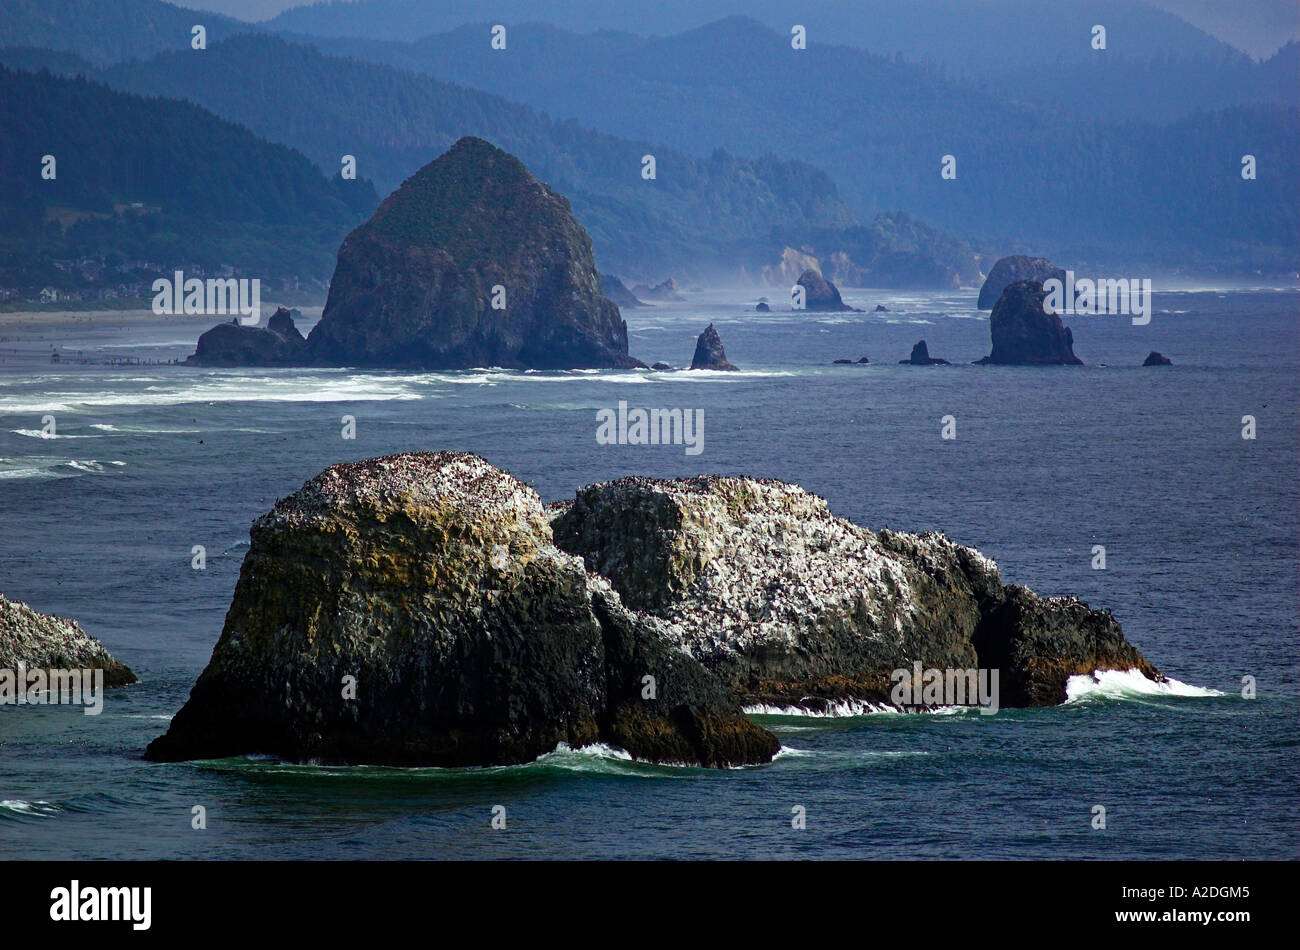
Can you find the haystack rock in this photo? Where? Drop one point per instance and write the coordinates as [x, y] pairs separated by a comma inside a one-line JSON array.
[[792, 607], [1024, 334], [40, 641], [1018, 267], [1157, 359], [709, 353], [820, 294], [279, 343], [471, 262], [921, 357], [413, 610]]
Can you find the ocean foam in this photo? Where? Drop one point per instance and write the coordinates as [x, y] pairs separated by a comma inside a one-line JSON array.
[[1127, 684]]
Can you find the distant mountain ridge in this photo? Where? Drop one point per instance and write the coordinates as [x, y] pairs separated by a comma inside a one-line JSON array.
[[954, 33]]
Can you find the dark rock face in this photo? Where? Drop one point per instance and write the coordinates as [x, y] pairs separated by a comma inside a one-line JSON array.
[[279, 343], [709, 353], [762, 307], [433, 580], [666, 292], [1157, 359], [1024, 334], [662, 366], [863, 359], [881, 308], [1009, 270], [1040, 643], [820, 294], [849, 362], [793, 607], [921, 357], [419, 284], [40, 641], [617, 291]]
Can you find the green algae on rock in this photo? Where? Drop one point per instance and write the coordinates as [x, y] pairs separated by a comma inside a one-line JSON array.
[[413, 610]]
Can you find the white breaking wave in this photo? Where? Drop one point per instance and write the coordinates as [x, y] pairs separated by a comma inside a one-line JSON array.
[[36, 809], [847, 708], [1125, 684], [44, 467], [40, 434], [597, 750], [837, 709]]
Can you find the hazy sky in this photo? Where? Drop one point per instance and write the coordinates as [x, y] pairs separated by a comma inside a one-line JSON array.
[[1257, 26]]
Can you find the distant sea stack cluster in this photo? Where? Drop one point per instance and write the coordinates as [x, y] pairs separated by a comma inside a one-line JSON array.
[[471, 262], [428, 609]]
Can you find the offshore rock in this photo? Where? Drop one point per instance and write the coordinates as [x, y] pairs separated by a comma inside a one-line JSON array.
[[471, 262], [793, 607], [431, 584], [666, 292], [921, 357], [709, 353], [279, 343], [1157, 359], [1024, 334], [1008, 270], [41, 641], [617, 291], [820, 294]]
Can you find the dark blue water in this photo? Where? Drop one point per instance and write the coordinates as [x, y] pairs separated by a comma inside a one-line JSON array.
[[1201, 530]]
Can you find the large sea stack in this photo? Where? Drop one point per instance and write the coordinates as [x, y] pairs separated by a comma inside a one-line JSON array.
[[1025, 334], [413, 610], [793, 607], [471, 262], [44, 642], [1008, 270]]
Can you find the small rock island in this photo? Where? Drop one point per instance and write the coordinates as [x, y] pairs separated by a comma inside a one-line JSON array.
[[709, 353], [427, 609]]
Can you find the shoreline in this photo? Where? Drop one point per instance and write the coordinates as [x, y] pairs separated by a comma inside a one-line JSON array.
[[65, 319]]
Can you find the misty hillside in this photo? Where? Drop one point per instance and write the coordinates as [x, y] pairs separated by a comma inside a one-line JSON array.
[[394, 122], [879, 126], [157, 180], [959, 34], [107, 31]]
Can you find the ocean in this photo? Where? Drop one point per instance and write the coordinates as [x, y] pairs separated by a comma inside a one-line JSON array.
[[1201, 530]]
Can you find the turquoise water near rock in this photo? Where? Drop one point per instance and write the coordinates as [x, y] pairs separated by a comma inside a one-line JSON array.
[[1201, 530]]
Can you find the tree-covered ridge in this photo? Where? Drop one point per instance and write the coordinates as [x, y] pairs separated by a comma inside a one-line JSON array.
[[159, 180], [394, 122], [107, 31]]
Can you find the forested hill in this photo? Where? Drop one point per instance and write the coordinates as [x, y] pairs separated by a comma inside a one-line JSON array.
[[694, 214], [108, 31], [159, 180]]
